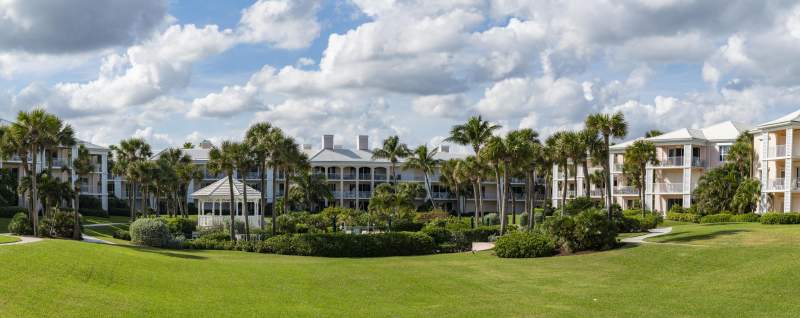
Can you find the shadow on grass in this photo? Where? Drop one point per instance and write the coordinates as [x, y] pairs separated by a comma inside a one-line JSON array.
[[185, 254], [679, 238]]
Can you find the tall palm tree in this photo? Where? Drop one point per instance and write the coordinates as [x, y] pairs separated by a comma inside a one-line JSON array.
[[175, 174], [392, 150], [609, 126], [291, 160], [558, 146], [520, 145], [83, 166], [223, 160], [598, 179], [474, 133], [474, 170], [262, 138], [244, 162], [495, 154], [127, 154], [308, 189], [452, 177], [637, 156], [423, 159], [144, 173], [186, 174]]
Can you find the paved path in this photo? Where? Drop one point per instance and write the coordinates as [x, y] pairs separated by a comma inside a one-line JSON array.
[[482, 246], [23, 240], [653, 233], [92, 239], [103, 224]]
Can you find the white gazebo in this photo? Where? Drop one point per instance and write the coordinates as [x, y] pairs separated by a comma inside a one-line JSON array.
[[218, 193]]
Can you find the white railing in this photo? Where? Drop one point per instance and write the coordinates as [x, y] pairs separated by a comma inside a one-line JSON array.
[[618, 167], [776, 184], [570, 193], [697, 162], [668, 187], [349, 176], [626, 190], [380, 176], [219, 220], [671, 162], [597, 193], [364, 194]]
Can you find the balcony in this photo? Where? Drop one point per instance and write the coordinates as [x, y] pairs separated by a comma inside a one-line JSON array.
[[776, 151], [364, 176], [777, 184], [349, 176], [570, 193], [698, 163], [664, 188], [364, 194], [596, 193], [333, 176], [671, 162], [380, 176], [441, 195], [626, 190]]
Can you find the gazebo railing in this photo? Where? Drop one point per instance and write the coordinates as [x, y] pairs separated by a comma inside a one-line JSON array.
[[219, 220]]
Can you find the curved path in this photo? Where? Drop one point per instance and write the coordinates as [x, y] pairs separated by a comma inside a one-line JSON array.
[[653, 233], [482, 246], [23, 240]]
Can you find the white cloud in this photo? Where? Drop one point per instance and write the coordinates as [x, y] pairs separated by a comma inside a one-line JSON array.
[[288, 24]]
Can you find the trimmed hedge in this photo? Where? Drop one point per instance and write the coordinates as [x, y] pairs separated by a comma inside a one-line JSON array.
[[481, 233], [150, 232], [747, 217], [181, 226], [524, 245], [716, 218], [780, 218], [491, 219], [122, 235], [683, 217], [349, 245], [11, 211], [94, 212]]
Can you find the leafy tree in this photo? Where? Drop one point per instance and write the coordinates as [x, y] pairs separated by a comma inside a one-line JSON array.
[[392, 150], [307, 189], [388, 200], [653, 133], [637, 156], [746, 197], [223, 160], [608, 126], [263, 139], [476, 132], [558, 147], [474, 170], [424, 160], [83, 166], [127, 154]]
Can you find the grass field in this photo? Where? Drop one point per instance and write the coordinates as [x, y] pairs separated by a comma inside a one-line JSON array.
[[107, 232], [739, 270], [8, 239], [102, 220]]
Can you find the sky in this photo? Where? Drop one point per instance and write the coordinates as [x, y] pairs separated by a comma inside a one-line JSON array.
[[179, 70]]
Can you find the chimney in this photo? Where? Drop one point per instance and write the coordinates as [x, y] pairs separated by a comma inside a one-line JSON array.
[[362, 143], [444, 148], [206, 144], [327, 141]]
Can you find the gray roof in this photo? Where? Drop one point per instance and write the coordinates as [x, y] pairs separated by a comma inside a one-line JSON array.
[[721, 132], [221, 189], [786, 119]]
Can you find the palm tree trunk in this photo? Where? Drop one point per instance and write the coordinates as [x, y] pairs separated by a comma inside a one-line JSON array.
[[504, 210], [34, 193], [458, 201], [274, 187], [564, 192], [232, 213], [262, 201], [131, 197], [244, 207], [144, 200], [499, 199], [479, 203], [532, 211], [641, 189], [285, 191], [607, 175], [475, 197], [587, 184]]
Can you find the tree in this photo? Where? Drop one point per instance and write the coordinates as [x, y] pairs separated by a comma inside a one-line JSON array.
[[653, 133], [741, 155], [558, 147], [453, 177], [129, 152], [475, 133], [392, 150], [83, 166], [599, 180], [307, 189], [746, 198], [223, 160], [637, 156], [144, 173], [244, 160], [423, 159], [177, 171], [608, 126], [263, 139], [474, 170], [388, 199], [188, 145]]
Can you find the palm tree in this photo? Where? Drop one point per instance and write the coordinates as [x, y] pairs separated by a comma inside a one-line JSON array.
[[496, 153], [452, 177], [263, 139], [598, 179], [223, 160], [145, 173], [609, 126], [186, 174], [423, 159], [558, 146], [653, 133], [291, 160], [522, 146], [83, 166], [127, 154], [475, 133], [392, 150], [474, 170], [592, 151], [244, 162], [175, 174], [308, 189], [637, 156]]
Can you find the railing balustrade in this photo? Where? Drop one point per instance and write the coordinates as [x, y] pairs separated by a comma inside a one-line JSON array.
[[668, 187], [626, 190]]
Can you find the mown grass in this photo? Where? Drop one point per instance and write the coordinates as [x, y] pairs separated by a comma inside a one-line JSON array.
[[102, 220], [8, 239], [726, 275], [106, 233]]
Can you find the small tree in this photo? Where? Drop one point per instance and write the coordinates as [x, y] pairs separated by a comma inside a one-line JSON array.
[[637, 156], [83, 166]]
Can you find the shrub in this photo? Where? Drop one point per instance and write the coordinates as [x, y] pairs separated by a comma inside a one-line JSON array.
[[481, 233], [426, 217], [217, 234], [524, 245], [150, 232], [439, 235], [58, 224], [204, 243], [676, 208], [122, 235], [649, 221], [94, 212], [626, 224], [447, 240], [20, 224], [716, 218], [181, 226], [780, 218], [404, 225], [746, 217], [349, 245], [578, 205], [593, 231], [491, 219], [11, 211], [683, 217]]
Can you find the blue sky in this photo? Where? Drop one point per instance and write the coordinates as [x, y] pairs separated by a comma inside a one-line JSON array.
[[175, 71]]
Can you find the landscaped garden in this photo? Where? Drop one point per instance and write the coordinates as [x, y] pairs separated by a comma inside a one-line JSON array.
[[714, 271]]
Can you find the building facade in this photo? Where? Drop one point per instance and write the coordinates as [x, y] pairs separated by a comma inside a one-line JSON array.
[[777, 163]]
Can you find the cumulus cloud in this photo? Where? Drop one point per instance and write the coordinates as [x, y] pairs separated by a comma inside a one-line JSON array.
[[288, 24]]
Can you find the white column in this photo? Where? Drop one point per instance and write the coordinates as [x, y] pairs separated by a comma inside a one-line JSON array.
[[687, 176], [648, 188], [555, 186], [787, 181], [104, 179], [764, 199]]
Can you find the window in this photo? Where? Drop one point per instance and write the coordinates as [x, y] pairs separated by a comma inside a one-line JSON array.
[[675, 152], [723, 153]]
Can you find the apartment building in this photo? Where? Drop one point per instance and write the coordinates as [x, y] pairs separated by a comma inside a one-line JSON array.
[[94, 185], [777, 163], [684, 155], [579, 189]]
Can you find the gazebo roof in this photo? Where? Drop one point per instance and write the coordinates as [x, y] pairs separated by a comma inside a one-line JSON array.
[[221, 190]]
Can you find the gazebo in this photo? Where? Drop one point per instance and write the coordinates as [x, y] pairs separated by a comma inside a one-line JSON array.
[[218, 193]]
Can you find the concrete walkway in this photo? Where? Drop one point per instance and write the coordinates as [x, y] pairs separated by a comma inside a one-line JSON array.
[[482, 246], [103, 224], [23, 240], [653, 233], [92, 239]]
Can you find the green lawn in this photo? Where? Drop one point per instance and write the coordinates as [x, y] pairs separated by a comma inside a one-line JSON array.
[[730, 270], [102, 220], [8, 239], [106, 232]]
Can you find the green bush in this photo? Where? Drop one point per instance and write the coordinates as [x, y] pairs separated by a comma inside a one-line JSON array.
[[589, 230], [426, 217], [439, 235], [780, 218], [491, 219], [481, 233], [217, 234], [404, 225], [524, 245], [676, 208], [649, 221], [746, 217], [94, 212], [578, 205], [150, 232], [11, 211], [349, 245], [181, 226], [20, 224], [716, 218], [684, 217], [122, 235], [206, 243], [58, 224]]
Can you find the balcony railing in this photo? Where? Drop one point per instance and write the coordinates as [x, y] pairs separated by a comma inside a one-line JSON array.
[[380, 176], [626, 190], [349, 176], [668, 187], [697, 162], [570, 193], [596, 193], [776, 184], [364, 176], [333, 176], [365, 194], [671, 162], [776, 151]]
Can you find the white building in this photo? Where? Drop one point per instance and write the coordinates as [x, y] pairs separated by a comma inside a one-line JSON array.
[[777, 163], [579, 189], [684, 155]]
